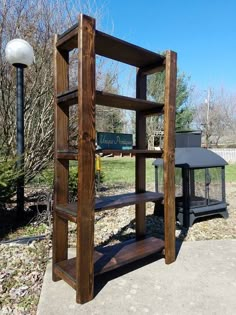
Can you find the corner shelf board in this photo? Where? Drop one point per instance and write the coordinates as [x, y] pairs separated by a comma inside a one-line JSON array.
[[112, 257], [79, 272], [112, 48]]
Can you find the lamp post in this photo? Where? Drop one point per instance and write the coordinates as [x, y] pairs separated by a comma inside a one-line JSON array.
[[20, 54]]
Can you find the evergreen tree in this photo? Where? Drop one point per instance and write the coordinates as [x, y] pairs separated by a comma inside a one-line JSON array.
[[184, 113]]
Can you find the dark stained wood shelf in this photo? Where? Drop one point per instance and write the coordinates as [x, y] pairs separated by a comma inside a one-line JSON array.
[[89, 261], [73, 155], [120, 50], [111, 257], [69, 211], [113, 48], [67, 155], [146, 153], [70, 97]]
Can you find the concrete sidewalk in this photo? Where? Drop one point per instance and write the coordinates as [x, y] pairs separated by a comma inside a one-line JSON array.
[[201, 281]]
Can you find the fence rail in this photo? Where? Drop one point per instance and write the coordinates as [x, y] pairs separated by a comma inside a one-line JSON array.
[[229, 155]]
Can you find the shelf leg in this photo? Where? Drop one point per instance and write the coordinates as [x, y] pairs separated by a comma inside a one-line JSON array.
[[86, 161], [169, 157], [61, 123], [60, 242], [140, 165]]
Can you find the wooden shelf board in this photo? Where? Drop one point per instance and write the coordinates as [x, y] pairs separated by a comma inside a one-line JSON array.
[[73, 155], [69, 39], [120, 50], [147, 153], [66, 271], [67, 213], [109, 202], [123, 200], [70, 97], [111, 257], [67, 155], [113, 48]]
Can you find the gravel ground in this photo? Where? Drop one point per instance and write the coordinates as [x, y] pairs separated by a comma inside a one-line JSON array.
[[22, 266]]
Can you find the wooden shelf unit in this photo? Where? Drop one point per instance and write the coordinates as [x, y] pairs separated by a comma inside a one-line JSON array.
[[79, 272]]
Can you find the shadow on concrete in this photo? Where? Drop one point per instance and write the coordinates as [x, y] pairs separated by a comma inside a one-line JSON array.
[[102, 280]]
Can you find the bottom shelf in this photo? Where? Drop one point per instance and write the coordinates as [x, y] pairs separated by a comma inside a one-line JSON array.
[[111, 257]]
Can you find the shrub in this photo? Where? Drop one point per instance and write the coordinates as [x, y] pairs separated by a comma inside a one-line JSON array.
[[45, 178], [8, 179]]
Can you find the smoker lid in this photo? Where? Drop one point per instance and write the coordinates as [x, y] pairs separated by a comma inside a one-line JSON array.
[[195, 158]]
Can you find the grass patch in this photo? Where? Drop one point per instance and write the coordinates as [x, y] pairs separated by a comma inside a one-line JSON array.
[[230, 173], [122, 170], [28, 230]]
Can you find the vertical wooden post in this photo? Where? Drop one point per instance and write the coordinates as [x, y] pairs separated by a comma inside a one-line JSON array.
[[86, 160], [169, 153], [60, 229], [140, 162]]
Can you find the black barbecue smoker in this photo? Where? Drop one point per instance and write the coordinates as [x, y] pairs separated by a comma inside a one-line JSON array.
[[199, 177]]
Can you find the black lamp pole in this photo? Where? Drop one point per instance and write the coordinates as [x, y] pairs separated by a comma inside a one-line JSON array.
[[20, 54], [20, 136]]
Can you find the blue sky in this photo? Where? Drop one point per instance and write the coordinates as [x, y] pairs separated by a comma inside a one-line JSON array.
[[202, 32]]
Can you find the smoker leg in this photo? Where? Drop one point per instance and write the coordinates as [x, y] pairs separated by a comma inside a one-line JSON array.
[[180, 218], [224, 214], [191, 219], [159, 209]]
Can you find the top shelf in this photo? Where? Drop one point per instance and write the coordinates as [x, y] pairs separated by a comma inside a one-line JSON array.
[[113, 48]]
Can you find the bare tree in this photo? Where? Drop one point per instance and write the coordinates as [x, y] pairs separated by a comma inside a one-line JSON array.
[[36, 22], [216, 117], [109, 119]]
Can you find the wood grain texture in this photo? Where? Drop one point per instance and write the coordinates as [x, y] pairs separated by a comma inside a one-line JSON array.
[[169, 156], [86, 159], [140, 162], [112, 257], [68, 210], [151, 69], [113, 48], [113, 100], [69, 39], [117, 49], [61, 168], [115, 256]]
